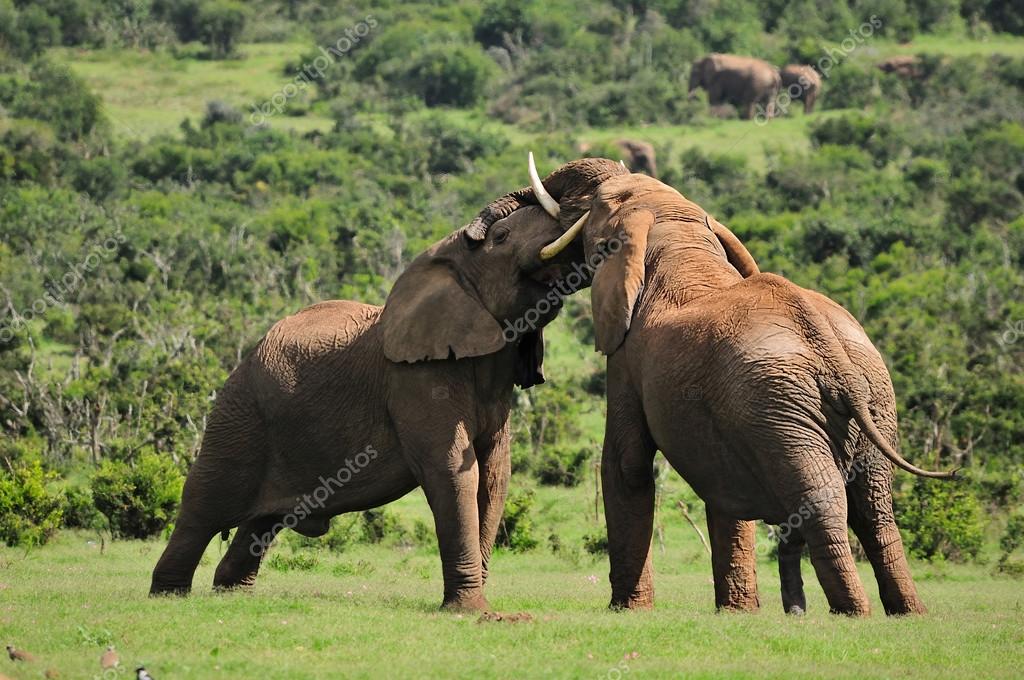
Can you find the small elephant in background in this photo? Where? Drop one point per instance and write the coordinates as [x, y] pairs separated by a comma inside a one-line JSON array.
[[801, 83], [346, 406], [903, 65], [744, 82], [639, 156]]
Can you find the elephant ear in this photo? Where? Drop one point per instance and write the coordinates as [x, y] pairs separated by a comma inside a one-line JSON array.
[[738, 255], [530, 359], [428, 315], [619, 279]]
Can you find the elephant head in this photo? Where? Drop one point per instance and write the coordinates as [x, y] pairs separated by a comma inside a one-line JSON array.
[[476, 290], [700, 73], [614, 234]]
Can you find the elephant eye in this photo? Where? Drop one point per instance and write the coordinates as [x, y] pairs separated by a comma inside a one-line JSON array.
[[500, 236]]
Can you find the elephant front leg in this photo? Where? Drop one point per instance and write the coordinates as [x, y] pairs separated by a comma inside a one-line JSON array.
[[733, 562], [627, 478], [495, 469], [450, 477]]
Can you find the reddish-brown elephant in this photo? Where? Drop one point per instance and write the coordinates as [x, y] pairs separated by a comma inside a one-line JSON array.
[[768, 398]]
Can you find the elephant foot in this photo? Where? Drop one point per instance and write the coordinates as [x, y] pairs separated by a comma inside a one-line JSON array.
[[852, 612], [241, 586], [164, 590], [796, 610], [912, 608], [472, 601], [640, 602]]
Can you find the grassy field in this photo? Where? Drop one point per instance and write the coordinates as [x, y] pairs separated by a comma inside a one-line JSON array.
[[373, 611]]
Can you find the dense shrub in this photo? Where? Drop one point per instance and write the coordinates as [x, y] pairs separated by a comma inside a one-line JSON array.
[[219, 24], [559, 466], [379, 524], [138, 499], [516, 529], [941, 521], [30, 513], [54, 94]]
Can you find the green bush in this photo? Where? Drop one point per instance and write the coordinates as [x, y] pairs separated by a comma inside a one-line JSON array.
[[54, 94], [516, 530], [941, 520], [596, 544], [30, 514], [138, 499], [561, 466], [80, 510], [379, 524], [219, 24], [300, 561], [447, 75]]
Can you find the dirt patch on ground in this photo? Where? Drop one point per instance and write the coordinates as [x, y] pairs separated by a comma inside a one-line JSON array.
[[499, 617]]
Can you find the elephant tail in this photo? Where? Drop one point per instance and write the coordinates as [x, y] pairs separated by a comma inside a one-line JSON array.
[[859, 409], [852, 392]]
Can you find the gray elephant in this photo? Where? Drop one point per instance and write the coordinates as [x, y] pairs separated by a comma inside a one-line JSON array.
[[744, 82], [767, 398], [346, 406], [801, 83], [639, 156]]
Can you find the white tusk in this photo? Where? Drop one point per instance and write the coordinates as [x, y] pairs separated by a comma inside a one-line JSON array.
[[559, 244], [550, 205], [623, 164]]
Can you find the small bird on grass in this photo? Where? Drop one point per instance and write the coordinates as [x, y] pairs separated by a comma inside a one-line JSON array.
[[110, 658], [142, 674], [18, 654]]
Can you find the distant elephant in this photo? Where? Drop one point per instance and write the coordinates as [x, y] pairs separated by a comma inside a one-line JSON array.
[[903, 65], [741, 81], [801, 83], [346, 406], [767, 398], [639, 156]]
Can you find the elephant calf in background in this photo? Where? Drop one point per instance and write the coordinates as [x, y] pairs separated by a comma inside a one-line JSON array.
[[346, 406], [743, 82], [801, 83], [767, 398]]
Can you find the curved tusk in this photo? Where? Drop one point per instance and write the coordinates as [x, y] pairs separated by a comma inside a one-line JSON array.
[[559, 244], [550, 205], [623, 164]]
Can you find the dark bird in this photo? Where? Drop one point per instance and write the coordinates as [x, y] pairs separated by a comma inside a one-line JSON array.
[[142, 674], [109, 658], [19, 655]]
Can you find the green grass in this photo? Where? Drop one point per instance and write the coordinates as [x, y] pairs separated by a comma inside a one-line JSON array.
[[147, 93], [64, 602], [952, 46]]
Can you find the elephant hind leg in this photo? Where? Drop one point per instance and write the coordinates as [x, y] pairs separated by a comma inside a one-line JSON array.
[[819, 512], [791, 548], [733, 562], [173, 572], [878, 533], [241, 564]]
